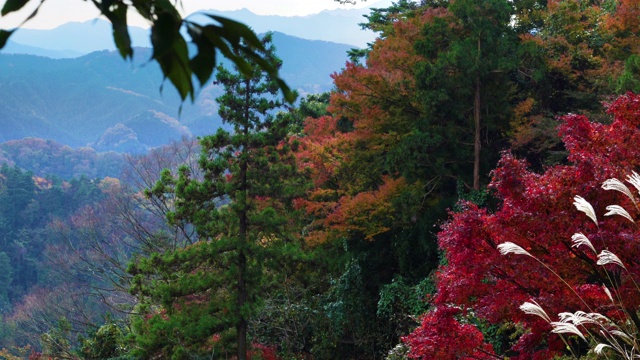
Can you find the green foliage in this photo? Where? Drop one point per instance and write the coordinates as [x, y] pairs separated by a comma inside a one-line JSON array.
[[108, 342], [314, 105], [501, 336], [50, 159], [400, 298], [391, 151], [56, 342], [6, 276], [344, 307], [28, 250], [478, 197], [628, 81], [381, 20], [469, 52], [367, 305], [4, 36], [204, 295], [311, 106]]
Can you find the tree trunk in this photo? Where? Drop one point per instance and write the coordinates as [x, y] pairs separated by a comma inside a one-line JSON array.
[[476, 118], [241, 326]]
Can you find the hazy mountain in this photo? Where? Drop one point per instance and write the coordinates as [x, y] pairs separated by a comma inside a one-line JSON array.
[[330, 25], [79, 37], [105, 102], [340, 26], [14, 48]]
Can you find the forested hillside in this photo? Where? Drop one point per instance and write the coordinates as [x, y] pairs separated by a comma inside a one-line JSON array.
[[55, 99], [467, 190], [49, 158]]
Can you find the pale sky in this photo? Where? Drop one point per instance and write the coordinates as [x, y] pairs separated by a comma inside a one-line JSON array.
[[57, 12]]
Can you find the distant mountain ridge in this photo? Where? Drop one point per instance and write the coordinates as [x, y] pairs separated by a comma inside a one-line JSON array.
[[102, 101], [339, 26], [74, 38], [15, 48], [78, 37]]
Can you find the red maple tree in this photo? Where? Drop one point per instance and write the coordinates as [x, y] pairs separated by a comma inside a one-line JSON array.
[[537, 213]]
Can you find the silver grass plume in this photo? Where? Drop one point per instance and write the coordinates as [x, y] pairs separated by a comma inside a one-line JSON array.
[[560, 327], [607, 257], [580, 239], [621, 334], [581, 318], [618, 210], [600, 348], [583, 205], [617, 185], [511, 248], [634, 179], [532, 308], [608, 292], [577, 318]]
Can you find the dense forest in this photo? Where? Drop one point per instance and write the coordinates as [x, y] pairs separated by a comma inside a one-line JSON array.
[[468, 190]]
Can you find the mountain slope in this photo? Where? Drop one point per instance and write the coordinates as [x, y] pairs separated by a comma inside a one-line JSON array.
[[12, 47], [103, 101]]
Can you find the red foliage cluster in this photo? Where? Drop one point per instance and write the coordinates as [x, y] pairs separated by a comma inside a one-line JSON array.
[[463, 341], [537, 213], [262, 352], [38, 356]]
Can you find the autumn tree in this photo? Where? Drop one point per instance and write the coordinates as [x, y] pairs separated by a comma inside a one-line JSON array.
[[397, 147], [208, 292], [368, 197], [574, 55], [537, 213]]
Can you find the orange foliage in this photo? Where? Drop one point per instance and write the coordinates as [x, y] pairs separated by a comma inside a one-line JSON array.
[[589, 43], [370, 213], [42, 183], [352, 194]]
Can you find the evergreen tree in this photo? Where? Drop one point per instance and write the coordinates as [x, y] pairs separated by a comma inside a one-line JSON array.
[[469, 49], [6, 275], [209, 291]]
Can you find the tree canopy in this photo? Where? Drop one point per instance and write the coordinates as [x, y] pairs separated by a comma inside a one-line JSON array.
[[238, 208], [537, 213], [327, 230]]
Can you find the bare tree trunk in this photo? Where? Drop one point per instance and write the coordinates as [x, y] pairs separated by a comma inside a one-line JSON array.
[[476, 118], [241, 326]]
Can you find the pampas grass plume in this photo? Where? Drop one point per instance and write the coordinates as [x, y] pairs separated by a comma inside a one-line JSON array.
[[511, 248], [583, 205]]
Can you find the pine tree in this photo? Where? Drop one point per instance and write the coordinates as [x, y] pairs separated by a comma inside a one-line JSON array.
[[209, 291]]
